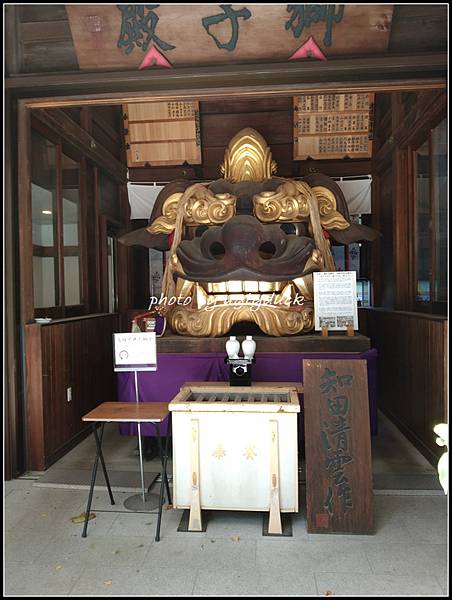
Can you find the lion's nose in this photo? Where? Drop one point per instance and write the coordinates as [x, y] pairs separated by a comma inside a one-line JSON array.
[[243, 242]]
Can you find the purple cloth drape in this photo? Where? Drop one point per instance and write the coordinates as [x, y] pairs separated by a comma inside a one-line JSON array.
[[174, 369]]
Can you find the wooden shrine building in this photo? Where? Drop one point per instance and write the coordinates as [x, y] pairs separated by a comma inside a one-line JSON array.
[[102, 97]]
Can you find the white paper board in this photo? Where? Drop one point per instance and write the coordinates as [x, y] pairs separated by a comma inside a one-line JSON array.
[[135, 351], [335, 301]]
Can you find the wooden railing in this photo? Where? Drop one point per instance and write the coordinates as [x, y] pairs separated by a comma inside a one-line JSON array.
[[412, 372], [73, 353]]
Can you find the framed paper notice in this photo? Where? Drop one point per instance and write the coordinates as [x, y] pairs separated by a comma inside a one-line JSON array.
[[335, 302], [135, 351]]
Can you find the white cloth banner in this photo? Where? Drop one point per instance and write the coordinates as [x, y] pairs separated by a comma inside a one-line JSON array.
[[142, 199], [357, 194]]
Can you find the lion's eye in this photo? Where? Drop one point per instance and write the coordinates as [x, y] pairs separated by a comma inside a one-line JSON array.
[[200, 230], [289, 228]]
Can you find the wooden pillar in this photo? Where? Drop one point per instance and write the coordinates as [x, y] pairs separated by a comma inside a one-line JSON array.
[[14, 425], [401, 189]]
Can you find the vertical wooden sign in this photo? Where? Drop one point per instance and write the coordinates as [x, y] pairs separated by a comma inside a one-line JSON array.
[[339, 495]]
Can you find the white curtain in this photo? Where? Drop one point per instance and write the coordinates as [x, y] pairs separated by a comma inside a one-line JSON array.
[[357, 194], [141, 199]]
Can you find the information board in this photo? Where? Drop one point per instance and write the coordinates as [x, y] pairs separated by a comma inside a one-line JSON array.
[[335, 300], [135, 351]]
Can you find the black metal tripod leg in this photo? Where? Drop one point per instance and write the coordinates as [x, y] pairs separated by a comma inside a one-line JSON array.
[[99, 450], [164, 477], [164, 480], [168, 436], [93, 481], [159, 518]]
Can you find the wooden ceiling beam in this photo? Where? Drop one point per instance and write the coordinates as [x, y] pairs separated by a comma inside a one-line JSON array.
[[380, 73]]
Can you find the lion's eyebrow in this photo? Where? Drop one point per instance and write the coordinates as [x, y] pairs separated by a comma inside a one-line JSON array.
[[202, 207]]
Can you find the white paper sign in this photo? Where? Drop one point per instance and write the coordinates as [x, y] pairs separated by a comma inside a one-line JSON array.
[[335, 301], [135, 351]]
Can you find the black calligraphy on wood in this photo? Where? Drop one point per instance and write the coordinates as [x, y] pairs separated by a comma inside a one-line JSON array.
[[337, 453], [303, 15], [337, 446], [138, 25], [233, 15]]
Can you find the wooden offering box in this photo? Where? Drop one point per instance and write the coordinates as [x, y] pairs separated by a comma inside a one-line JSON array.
[[235, 449]]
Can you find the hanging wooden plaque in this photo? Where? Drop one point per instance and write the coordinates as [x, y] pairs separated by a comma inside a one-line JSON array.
[[331, 126], [162, 133], [339, 496], [112, 36]]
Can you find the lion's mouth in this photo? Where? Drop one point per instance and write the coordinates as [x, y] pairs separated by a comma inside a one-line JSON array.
[[206, 308], [242, 293]]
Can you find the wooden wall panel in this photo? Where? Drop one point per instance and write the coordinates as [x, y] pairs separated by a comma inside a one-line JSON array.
[[407, 120], [36, 388], [418, 28], [74, 353], [411, 372], [42, 12], [45, 39], [218, 130], [240, 105], [385, 286]]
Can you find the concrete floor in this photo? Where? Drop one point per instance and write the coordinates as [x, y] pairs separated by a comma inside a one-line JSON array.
[[45, 554]]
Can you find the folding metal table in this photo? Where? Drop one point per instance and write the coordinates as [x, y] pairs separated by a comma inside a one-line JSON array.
[[128, 412]]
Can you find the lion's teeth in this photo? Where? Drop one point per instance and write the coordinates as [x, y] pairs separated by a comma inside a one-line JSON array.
[[200, 296], [217, 288], [266, 286], [286, 295], [234, 286], [184, 288], [251, 287], [204, 293]]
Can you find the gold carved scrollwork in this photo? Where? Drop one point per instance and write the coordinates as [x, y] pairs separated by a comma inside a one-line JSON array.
[[289, 202], [330, 217], [248, 158], [275, 321], [202, 208], [166, 223], [206, 208]]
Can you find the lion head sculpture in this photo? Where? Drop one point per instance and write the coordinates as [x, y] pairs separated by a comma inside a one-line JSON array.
[[243, 248]]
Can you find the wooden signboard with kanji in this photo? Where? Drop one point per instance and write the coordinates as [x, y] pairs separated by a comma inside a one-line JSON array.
[[119, 36], [162, 133], [328, 126], [339, 495]]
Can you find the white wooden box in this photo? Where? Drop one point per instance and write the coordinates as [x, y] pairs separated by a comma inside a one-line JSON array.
[[235, 448]]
